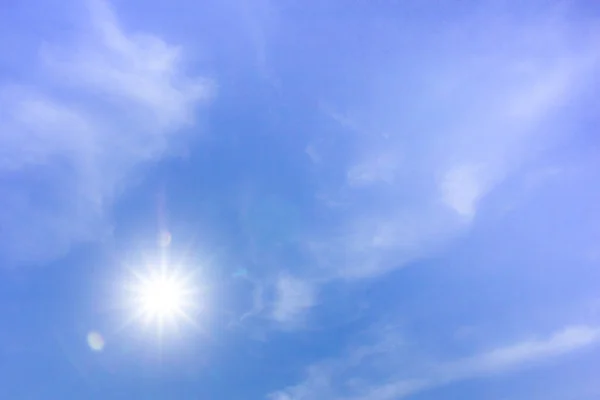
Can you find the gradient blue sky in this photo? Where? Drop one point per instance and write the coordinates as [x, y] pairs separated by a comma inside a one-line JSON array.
[[378, 199]]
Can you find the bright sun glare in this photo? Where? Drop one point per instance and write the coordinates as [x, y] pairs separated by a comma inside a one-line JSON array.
[[163, 297]]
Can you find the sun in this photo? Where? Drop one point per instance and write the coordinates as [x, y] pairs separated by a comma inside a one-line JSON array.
[[163, 297]]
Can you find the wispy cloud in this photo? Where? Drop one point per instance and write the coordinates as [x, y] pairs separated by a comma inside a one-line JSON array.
[[380, 371], [112, 101], [462, 187], [292, 299], [564, 341], [416, 178], [403, 167]]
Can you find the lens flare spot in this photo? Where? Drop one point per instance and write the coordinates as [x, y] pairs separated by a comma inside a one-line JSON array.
[[95, 341]]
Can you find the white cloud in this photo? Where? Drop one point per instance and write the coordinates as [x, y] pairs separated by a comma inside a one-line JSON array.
[[381, 372], [112, 101], [294, 297]]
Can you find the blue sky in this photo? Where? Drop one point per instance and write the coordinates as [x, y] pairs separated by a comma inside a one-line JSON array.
[[375, 200]]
